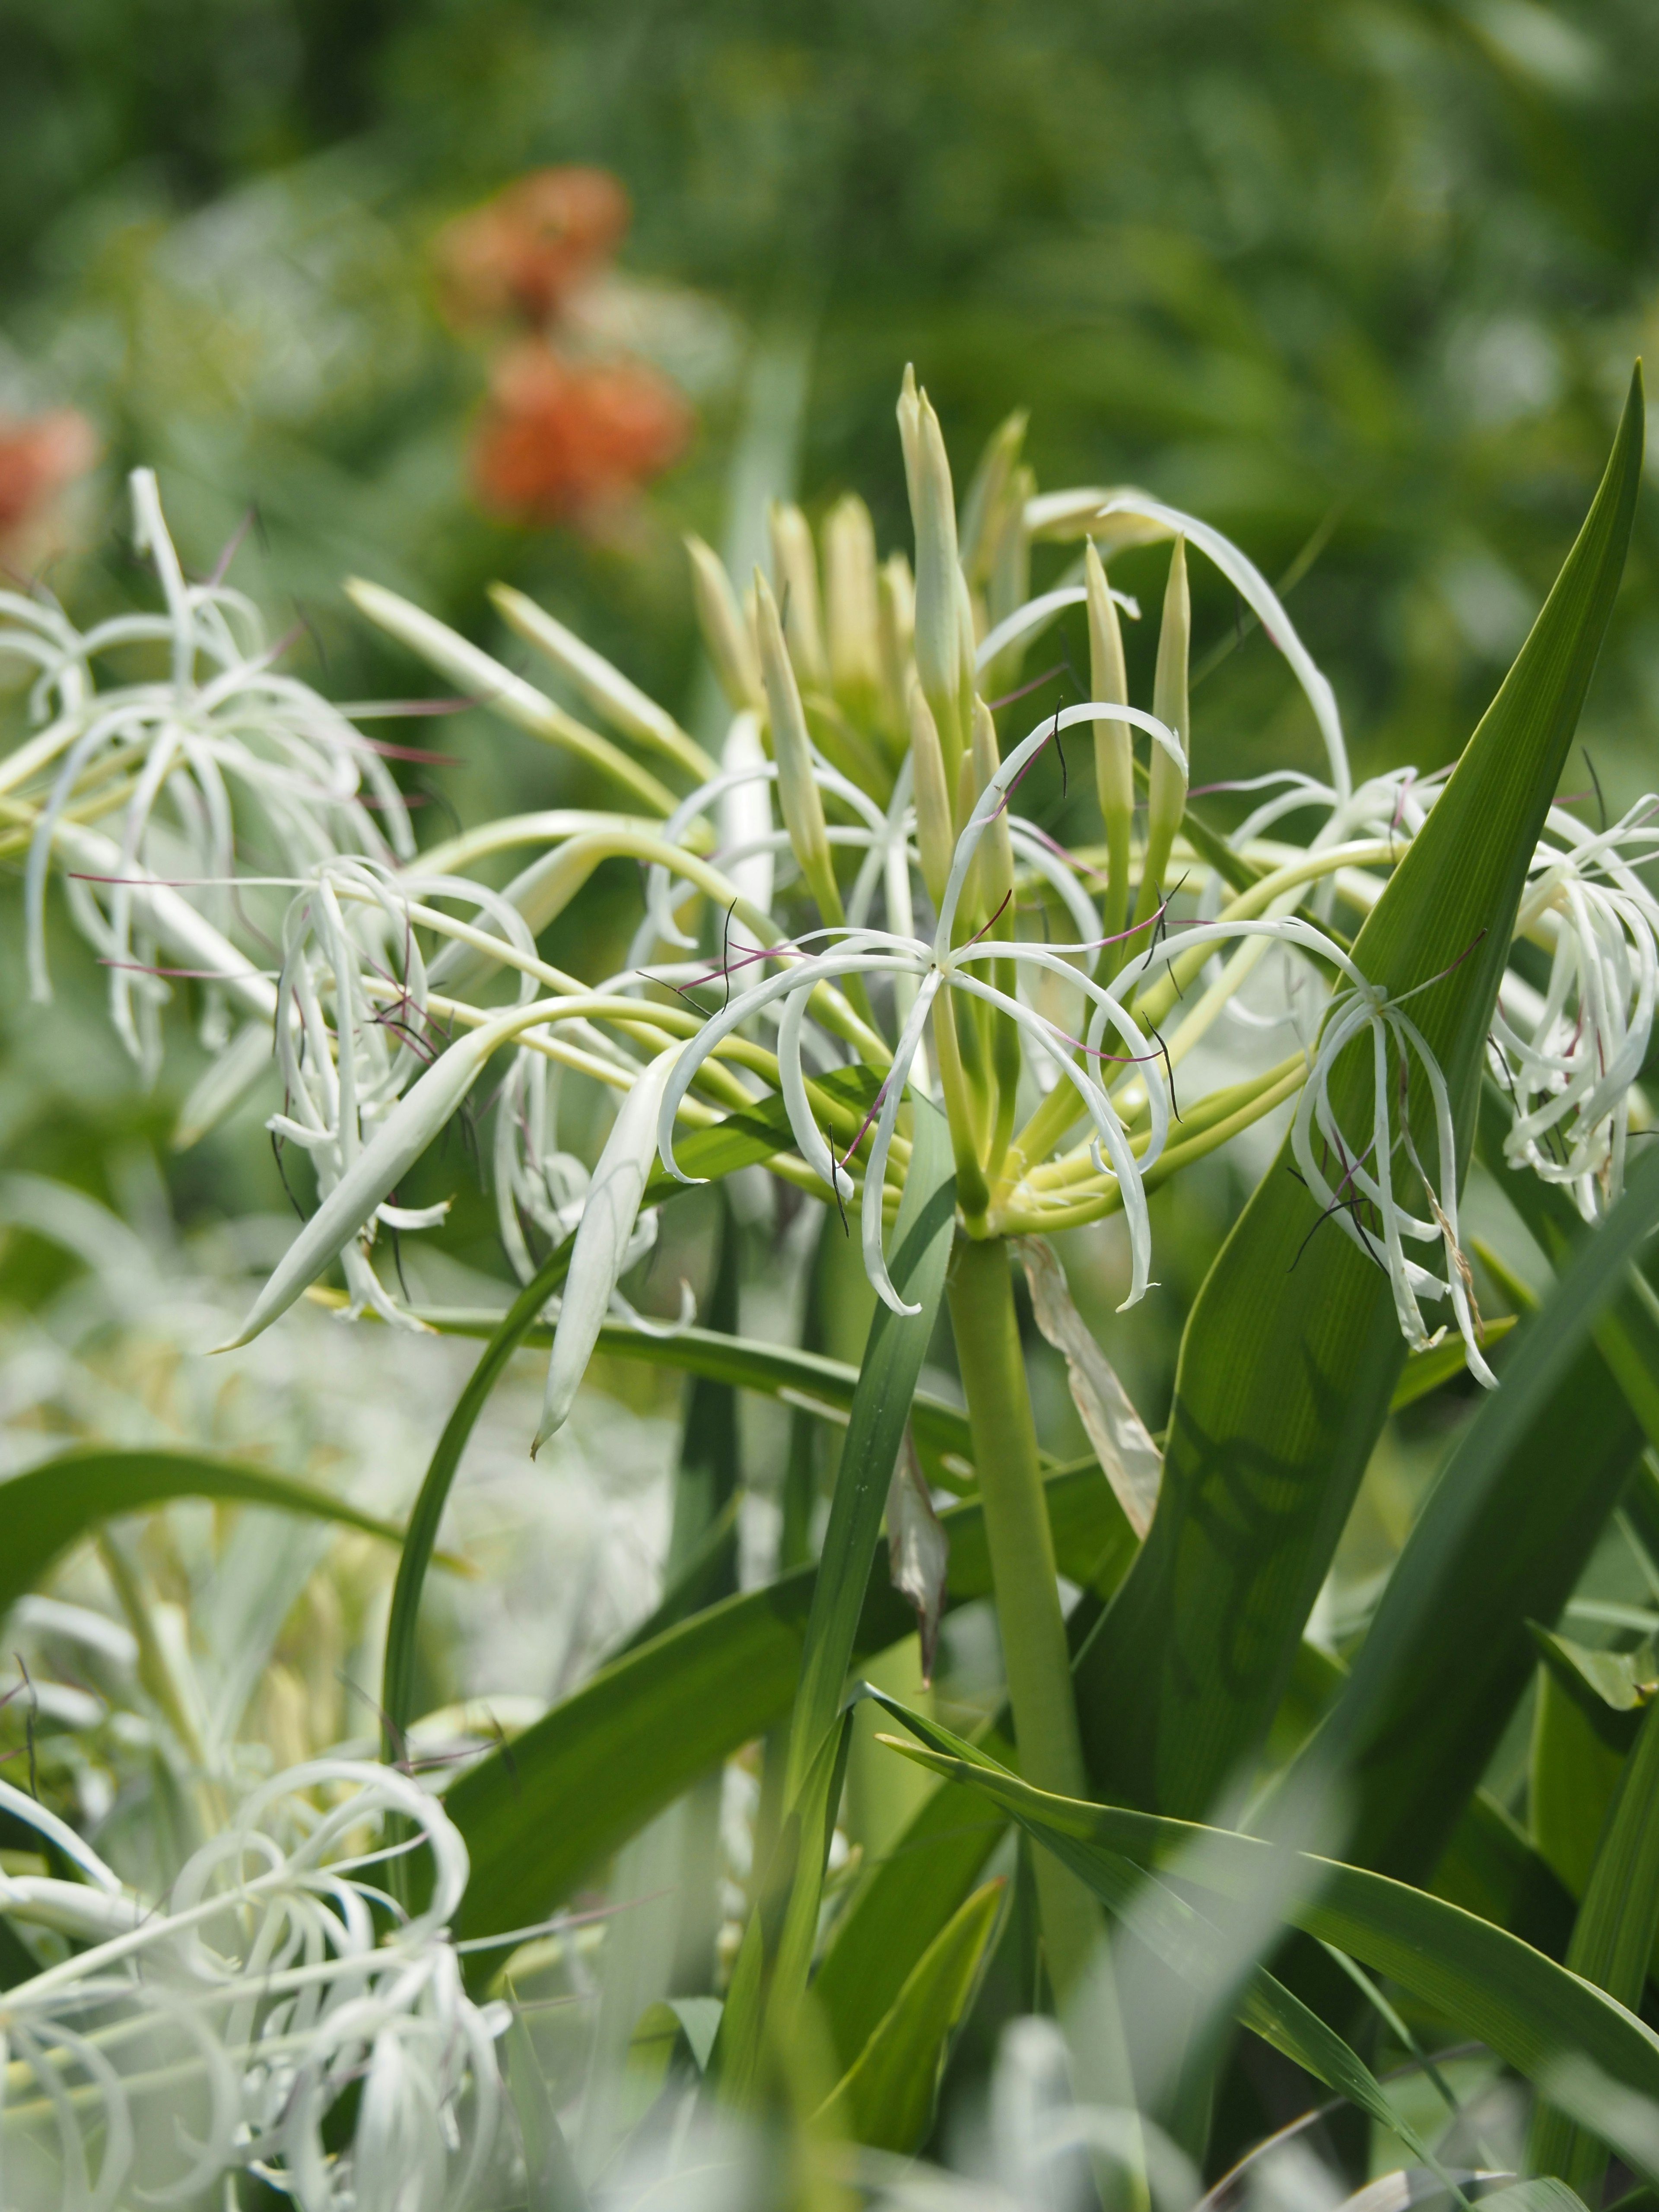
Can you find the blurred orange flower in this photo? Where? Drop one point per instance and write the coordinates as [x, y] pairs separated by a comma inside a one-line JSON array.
[[562, 440], [40, 457], [523, 252]]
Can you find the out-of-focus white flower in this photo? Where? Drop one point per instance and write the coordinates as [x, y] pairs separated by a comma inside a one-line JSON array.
[[273, 1975]]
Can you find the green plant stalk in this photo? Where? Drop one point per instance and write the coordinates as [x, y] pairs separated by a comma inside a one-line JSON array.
[[1033, 1629]]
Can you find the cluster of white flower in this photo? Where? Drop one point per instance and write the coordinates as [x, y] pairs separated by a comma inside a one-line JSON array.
[[857, 728], [216, 2029]]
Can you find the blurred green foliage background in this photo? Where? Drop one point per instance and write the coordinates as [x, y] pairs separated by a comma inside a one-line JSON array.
[[1362, 279]]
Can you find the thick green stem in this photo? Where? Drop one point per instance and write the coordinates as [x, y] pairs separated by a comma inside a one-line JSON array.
[[1022, 1550]]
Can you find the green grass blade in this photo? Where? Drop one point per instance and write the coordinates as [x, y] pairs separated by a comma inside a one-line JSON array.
[[886, 2097], [544, 1812], [1291, 1352], [1501, 1540], [51, 1507], [1531, 2012], [1612, 1943]]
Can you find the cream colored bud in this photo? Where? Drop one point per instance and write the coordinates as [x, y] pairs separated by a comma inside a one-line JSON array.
[[995, 858], [1167, 792], [725, 633], [984, 510], [849, 565], [795, 572], [1115, 773], [909, 423], [895, 609], [935, 833], [799, 796], [938, 574]]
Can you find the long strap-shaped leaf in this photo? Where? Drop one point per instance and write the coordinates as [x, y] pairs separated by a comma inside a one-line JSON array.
[[1292, 1350], [49, 1507], [1501, 1539], [543, 1813], [1524, 2006], [1612, 1943]]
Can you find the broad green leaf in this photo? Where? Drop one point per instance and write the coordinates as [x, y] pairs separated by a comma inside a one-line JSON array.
[[904, 1906], [544, 1812], [1426, 1371], [1521, 2005], [51, 1507], [1291, 1352], [885, 2100], [1191, 1940], [1501, 1540], [1571, 1777], [1612, 1943], [1492, 1868], [1612, 1689]]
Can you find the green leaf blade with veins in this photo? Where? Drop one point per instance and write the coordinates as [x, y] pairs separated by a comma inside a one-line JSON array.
[[1292, 1348], [542, 1814], [1531, 2012]]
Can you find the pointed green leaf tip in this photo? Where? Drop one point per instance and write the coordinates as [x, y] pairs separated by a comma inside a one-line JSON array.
[[1292, 1350]]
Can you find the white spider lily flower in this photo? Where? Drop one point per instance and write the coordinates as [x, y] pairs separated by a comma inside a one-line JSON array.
[[1032, 616], [403, 1135], [1366, 1176], [1570, 1053], [1258, 595], [603, 1237], [224, 749], [251, 1996]]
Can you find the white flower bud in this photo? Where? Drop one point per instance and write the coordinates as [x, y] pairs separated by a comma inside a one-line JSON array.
[[938, 645], [623, 703], [895, 609], [996, 851]]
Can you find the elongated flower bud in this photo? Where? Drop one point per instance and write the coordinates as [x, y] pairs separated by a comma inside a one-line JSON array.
[[984, 509], [896, 610], [996, 850], [935, 835], [795, 565], [603, 1236], [791, 748], [1114, 767], [849, 562], [1166, 794], [939, 645], [1010, 585], [724, 632], [623, 703]]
